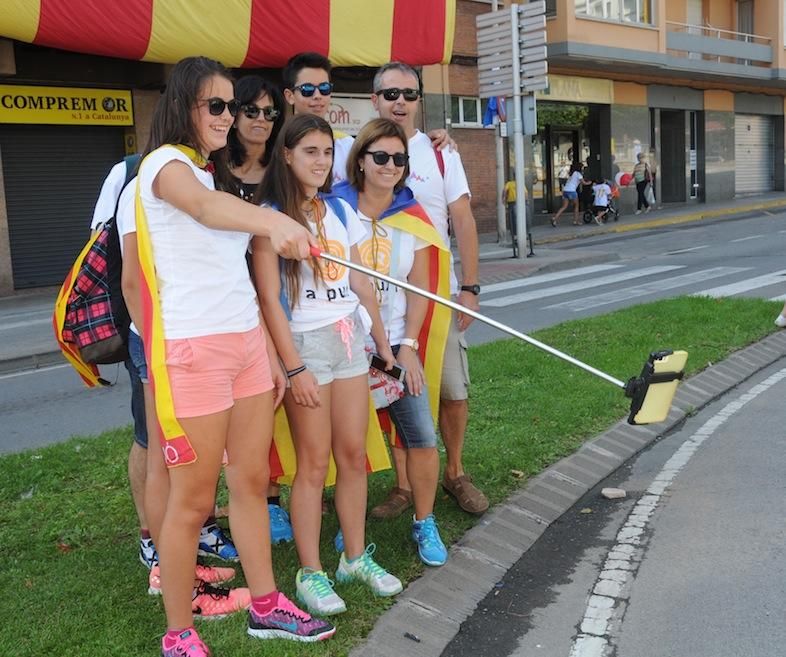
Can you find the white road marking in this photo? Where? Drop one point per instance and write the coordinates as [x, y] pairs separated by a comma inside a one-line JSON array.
[[547, 278], [619, 277], [609, 598], [745, 239], [653, 287], [27, 322], [49, 368], [693, 248], [772, 278]]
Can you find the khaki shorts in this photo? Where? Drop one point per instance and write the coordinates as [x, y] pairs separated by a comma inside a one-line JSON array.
[[455, 367]]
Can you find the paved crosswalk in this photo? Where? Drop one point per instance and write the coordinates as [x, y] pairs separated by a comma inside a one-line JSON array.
[[586, 288]]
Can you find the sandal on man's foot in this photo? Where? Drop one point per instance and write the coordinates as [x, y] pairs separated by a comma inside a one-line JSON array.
[[397, 501], [469, 498]]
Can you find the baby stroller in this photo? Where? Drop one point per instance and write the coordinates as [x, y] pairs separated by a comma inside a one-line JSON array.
[[613, 211]]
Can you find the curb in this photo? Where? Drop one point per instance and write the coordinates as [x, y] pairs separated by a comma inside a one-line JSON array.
[[668, 221], [31, 362], [433, 607]]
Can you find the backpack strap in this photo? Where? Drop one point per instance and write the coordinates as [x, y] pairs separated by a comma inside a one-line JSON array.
[[440, 161]]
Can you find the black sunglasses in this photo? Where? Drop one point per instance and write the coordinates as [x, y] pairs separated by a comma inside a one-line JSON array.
[[381, 158], [216, 106], [307, 89], [394, 92], [252, 111]]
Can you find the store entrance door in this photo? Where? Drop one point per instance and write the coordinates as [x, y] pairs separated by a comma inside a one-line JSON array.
[[563, 151], [672, 155]]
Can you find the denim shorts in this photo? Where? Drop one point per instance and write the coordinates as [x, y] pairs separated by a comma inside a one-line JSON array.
[[137, 372], [325, 354], [570, 196], [412, 417]]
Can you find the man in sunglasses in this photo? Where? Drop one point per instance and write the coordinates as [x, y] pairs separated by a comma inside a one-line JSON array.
[[439, 183]]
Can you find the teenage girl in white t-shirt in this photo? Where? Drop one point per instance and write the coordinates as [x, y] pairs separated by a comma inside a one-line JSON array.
[[318, 328], [570, 194], [217, 364]]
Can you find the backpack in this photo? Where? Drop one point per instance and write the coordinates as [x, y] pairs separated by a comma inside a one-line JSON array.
[[91, 315]]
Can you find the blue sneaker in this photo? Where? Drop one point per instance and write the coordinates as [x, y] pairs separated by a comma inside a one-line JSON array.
[[213, 542], [280, 527], [338, 542], [431, 549]]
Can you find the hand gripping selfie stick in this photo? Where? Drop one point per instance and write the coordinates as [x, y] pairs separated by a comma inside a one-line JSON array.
[[651, 392]]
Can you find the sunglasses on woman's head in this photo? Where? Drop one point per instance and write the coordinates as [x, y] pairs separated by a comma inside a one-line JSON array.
[[394, 92], [216, 106], [307, 89], [252, 111], [381, 158]]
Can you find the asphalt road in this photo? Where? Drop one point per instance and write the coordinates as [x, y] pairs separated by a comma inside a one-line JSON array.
[[701, 574]]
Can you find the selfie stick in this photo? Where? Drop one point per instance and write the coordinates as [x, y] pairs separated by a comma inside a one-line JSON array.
[[467, 311]]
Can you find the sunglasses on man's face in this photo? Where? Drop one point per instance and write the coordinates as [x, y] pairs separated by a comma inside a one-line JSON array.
[[252, 111], [381, 158], [307, 89], [216, 106], [394, 92]]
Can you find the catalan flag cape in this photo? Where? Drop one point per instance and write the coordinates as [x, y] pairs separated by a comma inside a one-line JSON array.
[[175, 443], [283, 461], [89, 373], [406, 214], [239, 33]]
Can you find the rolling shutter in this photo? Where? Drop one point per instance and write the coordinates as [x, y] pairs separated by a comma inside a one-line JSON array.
[[754, 154], [52, 176]]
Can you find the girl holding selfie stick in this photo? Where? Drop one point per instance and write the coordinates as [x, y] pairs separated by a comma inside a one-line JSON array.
[[402, 242], [318, 326]]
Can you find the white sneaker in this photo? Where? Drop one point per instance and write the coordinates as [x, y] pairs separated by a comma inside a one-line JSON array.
[[637, 212], [780, 321], [647, 209], [315, 591], [365, 569]]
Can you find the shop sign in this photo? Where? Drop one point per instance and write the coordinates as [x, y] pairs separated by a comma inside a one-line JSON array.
[[65, 106], [578, 90], [350, 113]]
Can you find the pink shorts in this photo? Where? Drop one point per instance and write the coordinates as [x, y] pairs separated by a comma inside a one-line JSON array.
[[207, 374]]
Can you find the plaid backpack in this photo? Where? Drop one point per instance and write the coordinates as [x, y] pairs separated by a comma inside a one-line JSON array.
[[91, 319]]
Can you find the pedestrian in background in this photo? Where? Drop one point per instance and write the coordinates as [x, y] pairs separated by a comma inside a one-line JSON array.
[[642, 176]]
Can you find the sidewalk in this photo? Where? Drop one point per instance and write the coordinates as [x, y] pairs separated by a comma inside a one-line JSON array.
[[27, 341]]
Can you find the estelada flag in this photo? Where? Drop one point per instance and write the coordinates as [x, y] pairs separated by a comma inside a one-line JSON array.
[[406, 214], [239, 33]]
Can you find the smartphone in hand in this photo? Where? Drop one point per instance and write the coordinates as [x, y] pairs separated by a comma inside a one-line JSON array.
[[378, 363]]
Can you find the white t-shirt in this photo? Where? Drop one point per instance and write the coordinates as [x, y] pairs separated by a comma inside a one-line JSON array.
[[393, 306], [203, 279], [573, 182], [433, 191], [322, 303], [341, 146], [126, 221], [107, 197], [602, 193]]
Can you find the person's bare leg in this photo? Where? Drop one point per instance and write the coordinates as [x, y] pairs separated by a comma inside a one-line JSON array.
[[349, 427], [556, 217], [311, 434], [137, 473], [247, 473], [157, 475], [453, 418], [423, 469], [191, 500], [400, 466]]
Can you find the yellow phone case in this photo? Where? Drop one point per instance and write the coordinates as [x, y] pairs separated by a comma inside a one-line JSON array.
[[657, 401]]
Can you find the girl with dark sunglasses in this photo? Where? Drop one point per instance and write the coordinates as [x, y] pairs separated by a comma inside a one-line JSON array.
[[318, 316]]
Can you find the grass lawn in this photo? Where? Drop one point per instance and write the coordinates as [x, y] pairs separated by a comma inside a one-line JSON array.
[[72, 581]]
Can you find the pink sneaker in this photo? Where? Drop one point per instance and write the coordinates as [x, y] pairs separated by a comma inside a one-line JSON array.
[[207, 574], [188, 643], [211, 602], [286, 621]]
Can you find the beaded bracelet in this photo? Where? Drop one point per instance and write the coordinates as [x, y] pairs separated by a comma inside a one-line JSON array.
[[296, 371]]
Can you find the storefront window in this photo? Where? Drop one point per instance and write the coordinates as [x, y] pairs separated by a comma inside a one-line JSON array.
[[467, 111], [626, 11]]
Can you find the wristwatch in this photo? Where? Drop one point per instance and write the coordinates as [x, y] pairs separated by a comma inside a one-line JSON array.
[[475, 289], [412, 343]]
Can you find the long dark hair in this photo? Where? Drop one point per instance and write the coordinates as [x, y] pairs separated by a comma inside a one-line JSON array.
[[172, 120], [247, 90], [282, 189]]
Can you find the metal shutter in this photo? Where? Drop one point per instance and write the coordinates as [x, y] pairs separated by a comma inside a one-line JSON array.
[[753, 154], [52, 178]]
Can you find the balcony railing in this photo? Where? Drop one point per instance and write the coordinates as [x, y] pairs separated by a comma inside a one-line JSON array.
[[707, 43]]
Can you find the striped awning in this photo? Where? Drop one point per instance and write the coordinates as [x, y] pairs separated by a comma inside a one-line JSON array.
[[239, 33]]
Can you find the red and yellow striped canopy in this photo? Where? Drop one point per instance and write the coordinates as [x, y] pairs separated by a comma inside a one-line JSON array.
[[239, 33]]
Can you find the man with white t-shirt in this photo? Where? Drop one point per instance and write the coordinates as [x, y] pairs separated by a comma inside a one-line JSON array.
[[439, 183]]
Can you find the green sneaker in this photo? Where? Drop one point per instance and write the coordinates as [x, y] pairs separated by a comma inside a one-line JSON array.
[[365, 569], [315, 590]]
